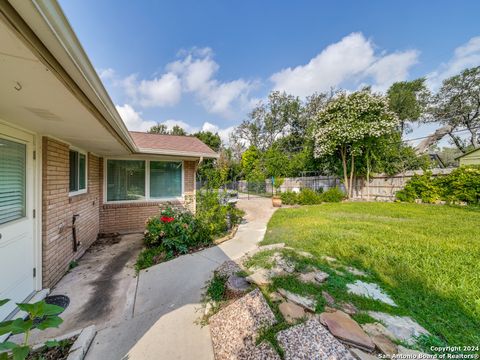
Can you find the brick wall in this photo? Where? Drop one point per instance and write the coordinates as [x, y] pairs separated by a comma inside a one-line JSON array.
[[58, 209], [131, 217]]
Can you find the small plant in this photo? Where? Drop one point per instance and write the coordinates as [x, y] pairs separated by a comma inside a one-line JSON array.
[[308, 197], [72, 265], [289, 197], [216, 288], [332, 195], [41, 316], [277, 183]]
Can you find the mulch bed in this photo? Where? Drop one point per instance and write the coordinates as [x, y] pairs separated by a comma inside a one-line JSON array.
[[55, 353]]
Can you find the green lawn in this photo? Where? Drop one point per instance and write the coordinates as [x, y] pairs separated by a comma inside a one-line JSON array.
[[427, 257]]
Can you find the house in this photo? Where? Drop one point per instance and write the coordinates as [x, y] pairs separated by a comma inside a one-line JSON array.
[[69, 168], [470, 158]]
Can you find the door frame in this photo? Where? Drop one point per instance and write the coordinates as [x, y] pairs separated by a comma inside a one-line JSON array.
[[35, 157]]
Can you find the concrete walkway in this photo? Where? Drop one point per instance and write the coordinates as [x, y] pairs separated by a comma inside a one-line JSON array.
[[167, 302]]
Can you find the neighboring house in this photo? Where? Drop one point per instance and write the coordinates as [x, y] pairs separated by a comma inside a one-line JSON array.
[[69, 168], [470, 158]]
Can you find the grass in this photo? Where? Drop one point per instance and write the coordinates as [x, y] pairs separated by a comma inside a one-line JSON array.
[[426, 257]]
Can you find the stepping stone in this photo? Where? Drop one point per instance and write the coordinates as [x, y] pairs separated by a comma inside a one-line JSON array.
[[305, 254], [263, 351], [228, 268], [414, 354], [356, 272], [362, 355], [311, 341], [403, 328], [376, 329], [348, 308], [328, 298], [303, 301], [235, 328], [370, 290], [291, 312], [385, 345], [286, 265], [328, 258], [276, 297], [236, 286], [347, 330], [321, 276], [260, 277]]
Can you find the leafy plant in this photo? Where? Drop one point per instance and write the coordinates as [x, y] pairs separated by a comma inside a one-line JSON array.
[[462, 184], [289, 197], [332, 195], [308, 197], [41, 316]]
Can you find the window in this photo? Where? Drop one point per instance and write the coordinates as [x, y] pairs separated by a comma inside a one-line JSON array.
[[78, 172], [130, 180], [125, 180], [12, 180], [165, 179]]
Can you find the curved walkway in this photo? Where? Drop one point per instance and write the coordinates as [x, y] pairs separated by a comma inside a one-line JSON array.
[[167, 302]]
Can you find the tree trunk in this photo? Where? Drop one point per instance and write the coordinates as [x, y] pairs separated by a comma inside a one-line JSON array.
[[343, 153], [351, 176], [457, 143]]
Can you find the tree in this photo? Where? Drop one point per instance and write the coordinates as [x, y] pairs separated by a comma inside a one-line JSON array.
[[251, 164], [213, 141], [347, 127], [408, 100], [457, 104], [159, 129], [269, 121], [178, 130], [163, 130]]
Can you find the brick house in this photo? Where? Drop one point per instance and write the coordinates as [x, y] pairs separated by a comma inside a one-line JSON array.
[[69, 168]]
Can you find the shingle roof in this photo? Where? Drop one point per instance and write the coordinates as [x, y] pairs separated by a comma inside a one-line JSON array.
[[172, 144]]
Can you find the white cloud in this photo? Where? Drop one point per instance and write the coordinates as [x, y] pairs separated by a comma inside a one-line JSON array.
[[165, 90], [392, 68], [223, 133], [133, 119], [106, 74], [465, 56], [351, 59]]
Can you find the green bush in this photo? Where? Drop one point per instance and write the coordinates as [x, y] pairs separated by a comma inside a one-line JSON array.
[[332, 195], [176, 231], [309, 197], [289, 197], [462, 184], [216, 213]]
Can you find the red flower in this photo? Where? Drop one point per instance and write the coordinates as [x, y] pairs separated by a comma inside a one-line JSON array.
[[167, 219]]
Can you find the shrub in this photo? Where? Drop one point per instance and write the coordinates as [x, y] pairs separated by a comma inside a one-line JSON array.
[[218, 215], [289, 197], [308, 197], [462, 184], [175, 231], [332, 195]]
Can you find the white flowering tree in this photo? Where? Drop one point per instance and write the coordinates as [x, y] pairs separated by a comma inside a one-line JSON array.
[[348, 127]]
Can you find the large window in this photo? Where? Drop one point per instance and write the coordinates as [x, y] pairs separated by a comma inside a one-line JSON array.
[[78, 172], [165, 179], [12, 180], [125, 180], [130, 180]]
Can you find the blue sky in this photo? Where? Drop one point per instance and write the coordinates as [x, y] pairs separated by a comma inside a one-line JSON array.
[[204, 64]]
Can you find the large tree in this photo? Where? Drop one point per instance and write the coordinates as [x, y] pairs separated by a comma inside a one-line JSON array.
[[348, 127], [457, 106], [163, 130], [408, 100], [213, 140]]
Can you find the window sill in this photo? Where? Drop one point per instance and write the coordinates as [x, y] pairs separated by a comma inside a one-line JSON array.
[[142, 203], [79, 192]]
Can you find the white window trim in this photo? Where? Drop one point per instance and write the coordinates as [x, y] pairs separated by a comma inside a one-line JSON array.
[[147, 182], [82, 191]]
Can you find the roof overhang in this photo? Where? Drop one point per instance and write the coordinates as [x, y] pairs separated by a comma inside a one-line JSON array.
[[45, 32], [189, 154]]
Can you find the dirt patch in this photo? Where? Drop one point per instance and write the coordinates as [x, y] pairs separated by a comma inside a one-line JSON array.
[[55, 353], [105, 240]]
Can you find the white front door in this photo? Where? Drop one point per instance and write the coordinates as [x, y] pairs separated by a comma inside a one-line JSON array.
[[16, 217]]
